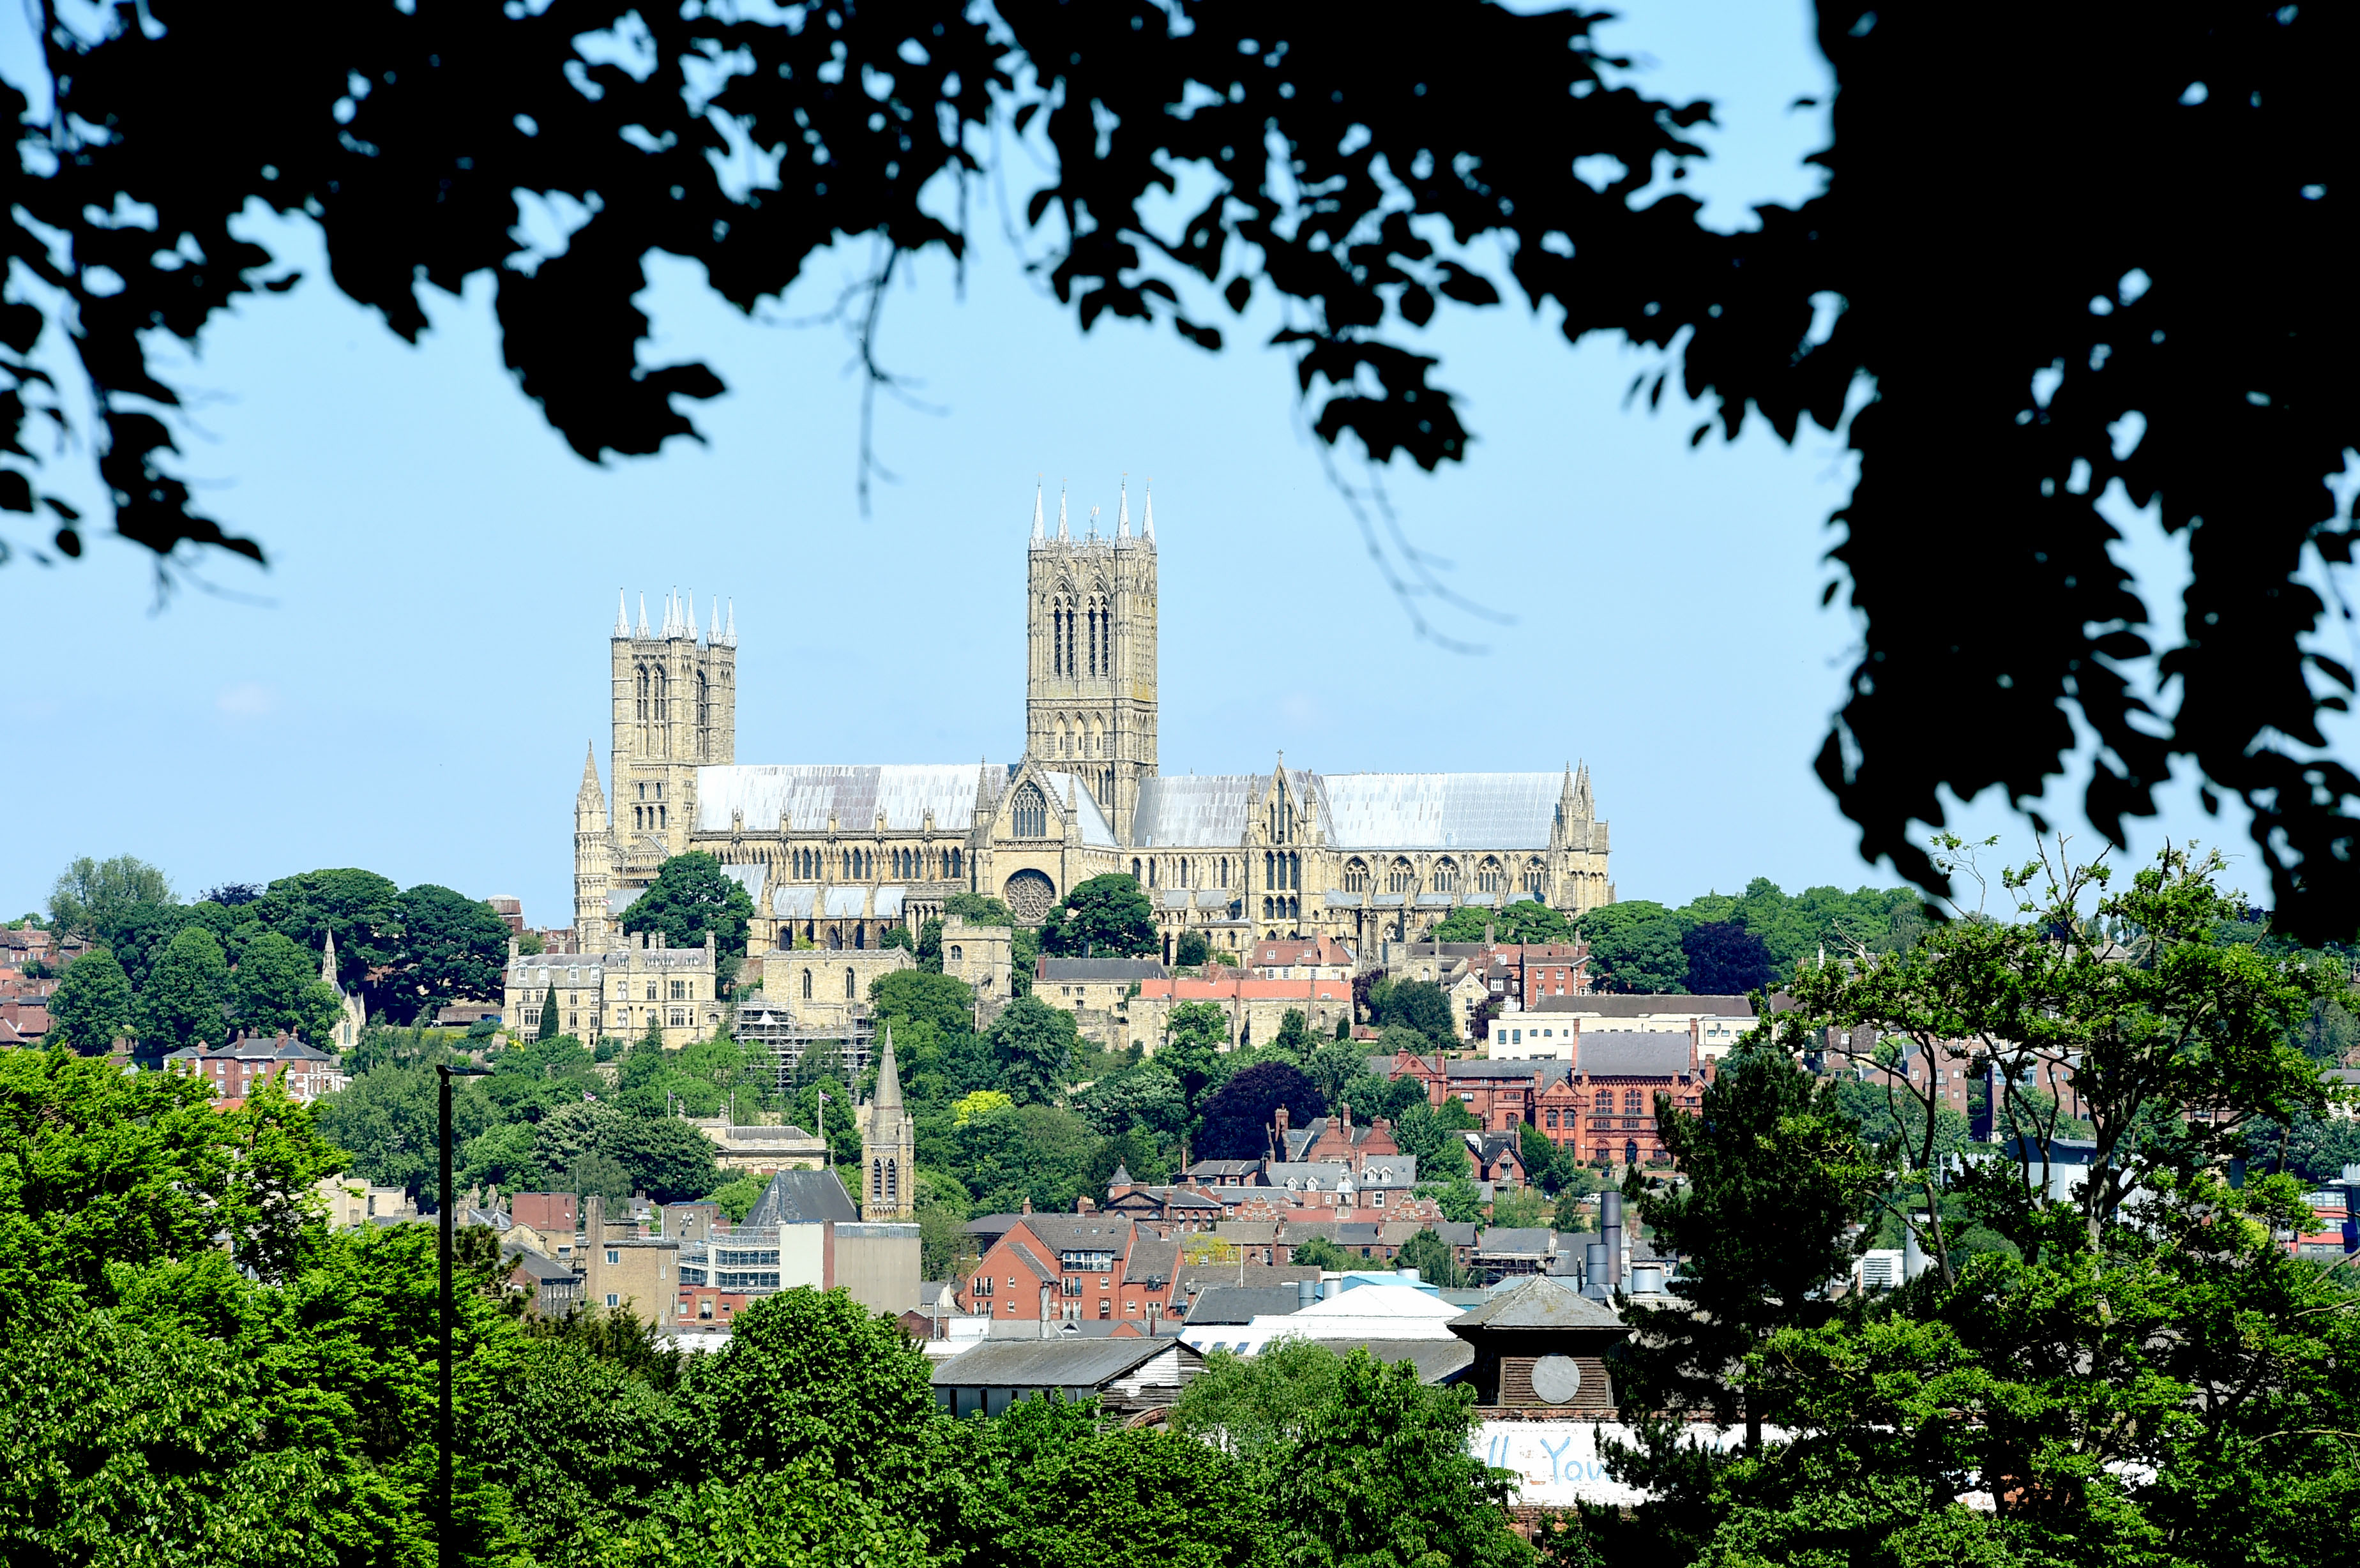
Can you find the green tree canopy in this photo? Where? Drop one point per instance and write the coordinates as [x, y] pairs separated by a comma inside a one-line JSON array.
[[187, 996], [277, 986], [1033, 1044], [667, 1159], [1526, 920], [690, 896], [1431, 1256], [1192, 949], [360, 908], [1423, 1006], [454, 949], [92, 899], [1636, 946], [1108, 917], [91, 1009]]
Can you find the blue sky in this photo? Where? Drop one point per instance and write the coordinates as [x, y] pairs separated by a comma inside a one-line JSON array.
[[410, 685]]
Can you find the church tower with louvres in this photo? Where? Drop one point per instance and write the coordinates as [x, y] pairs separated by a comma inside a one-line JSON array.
[[1090, 708]]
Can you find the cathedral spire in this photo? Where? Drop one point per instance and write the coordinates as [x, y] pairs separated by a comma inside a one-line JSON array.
[[713, 638], [1094, 523], [1147, 528], [1037, 527], [622, 618], [1123, 515], [643, 617], [589, 770], [729, 632], [1062, 532], [1583, 805]]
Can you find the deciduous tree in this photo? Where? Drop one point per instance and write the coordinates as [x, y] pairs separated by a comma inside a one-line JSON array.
[[1106, 916], [91, 1009], [187, 996], [690, 896]]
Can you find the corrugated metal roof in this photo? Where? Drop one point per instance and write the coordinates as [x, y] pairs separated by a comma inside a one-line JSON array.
[[807, 795], [1195, 811], [1213, 899], [1440, 811], [888, 902]]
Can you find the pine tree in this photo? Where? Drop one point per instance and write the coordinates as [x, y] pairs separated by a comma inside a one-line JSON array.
[[548, 1030]]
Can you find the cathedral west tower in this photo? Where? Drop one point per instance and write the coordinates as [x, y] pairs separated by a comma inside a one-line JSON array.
[[675, 711], [1089, 685]]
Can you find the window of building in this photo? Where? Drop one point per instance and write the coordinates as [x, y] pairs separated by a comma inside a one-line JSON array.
[[680, 990], [1445, 877], [1402, 878], [613, 1255], [851, 986], [613, 1300], [1356, 875], [1031, 813]]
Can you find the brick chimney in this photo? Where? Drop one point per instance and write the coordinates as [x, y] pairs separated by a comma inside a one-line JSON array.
[[1081, 1205], [1028, 1205]]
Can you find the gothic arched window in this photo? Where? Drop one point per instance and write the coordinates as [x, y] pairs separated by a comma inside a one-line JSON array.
[[876, 1179], [1356, 875], [704, 701], [849, 992], [893, 1180], [1605, 1101], [1535, 877], [1446, 875], [1031, 813], [643, 691], [1489, 878], [958, 859], [1402, 878], [807, 985]]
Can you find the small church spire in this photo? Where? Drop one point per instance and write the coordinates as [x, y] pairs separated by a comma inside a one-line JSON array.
[[889, 1076], [1122, 514], [328, 962], [589, 769], [622, 618], [713, 638], [1062, 532], [1038, 529], [729, 632], [1147, 525], [643, 617], [1094, 523]]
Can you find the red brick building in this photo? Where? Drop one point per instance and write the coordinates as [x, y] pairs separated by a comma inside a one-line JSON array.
[[1090, 1267], [1600, 1104], [239, 1068]]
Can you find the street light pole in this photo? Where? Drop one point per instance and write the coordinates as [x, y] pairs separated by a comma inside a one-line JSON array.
[[443, 1426]]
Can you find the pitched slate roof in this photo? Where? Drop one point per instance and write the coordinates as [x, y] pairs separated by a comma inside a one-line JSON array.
[[1242, 1304], [803, 1197], [1102, 969], [1541, 1301], [1049, 1363], [1632, 1053]]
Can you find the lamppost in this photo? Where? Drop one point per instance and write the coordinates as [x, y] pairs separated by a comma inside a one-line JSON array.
[[445, 1073]]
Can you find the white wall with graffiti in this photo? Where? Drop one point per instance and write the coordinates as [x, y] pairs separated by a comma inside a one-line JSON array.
[[1557, 1462]]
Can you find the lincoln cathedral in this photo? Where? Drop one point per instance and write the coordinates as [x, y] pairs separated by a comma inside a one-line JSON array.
[[834, 854]]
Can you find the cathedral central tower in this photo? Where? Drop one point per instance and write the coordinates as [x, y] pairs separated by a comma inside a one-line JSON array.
[[1090, 686]]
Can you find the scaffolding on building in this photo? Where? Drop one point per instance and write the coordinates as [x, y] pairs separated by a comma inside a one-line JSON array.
[[780, 1045]]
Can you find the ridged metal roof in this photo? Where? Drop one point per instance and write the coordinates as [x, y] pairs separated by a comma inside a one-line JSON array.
[[1440, 811], [808, 795]]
